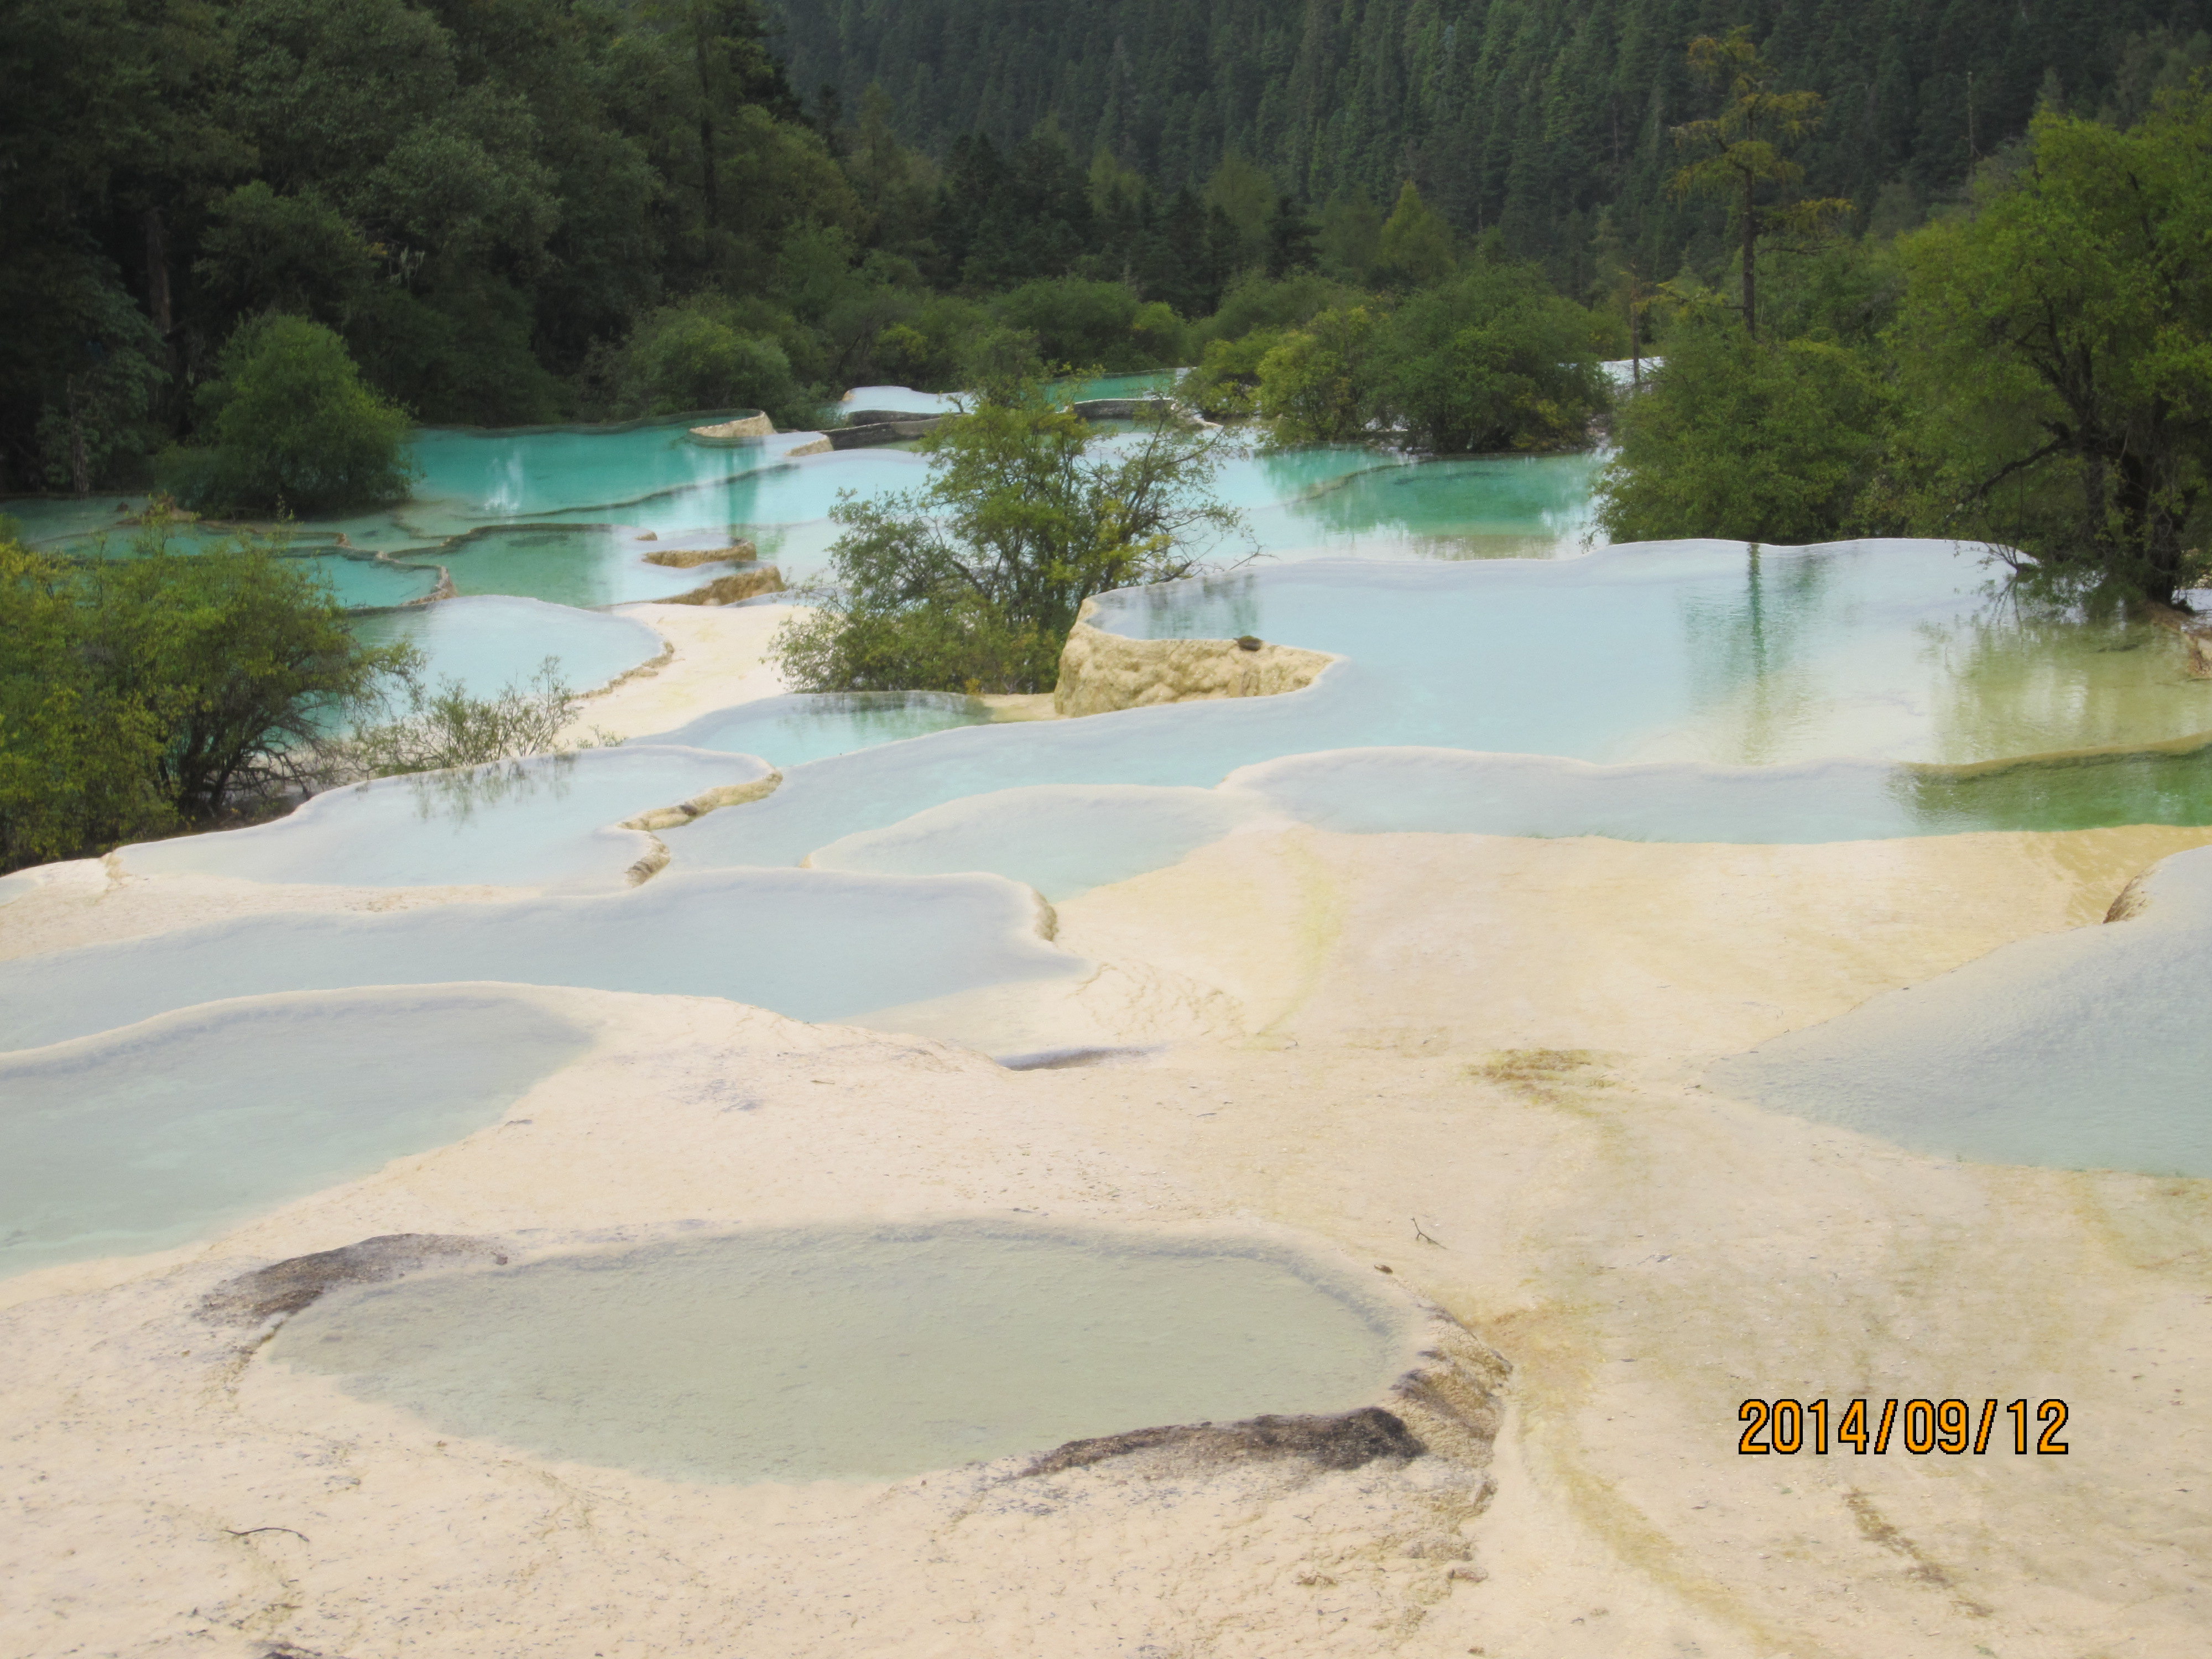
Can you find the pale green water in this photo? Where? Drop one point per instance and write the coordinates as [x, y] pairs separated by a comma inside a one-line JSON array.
[[1688, 691], [2085, 1049], [150, 1137], [813, 945], [489, 643], [95, 530], [549, 823], [557, 513], [791, 730], [1487, 507], [861, 1352], [583, 565]]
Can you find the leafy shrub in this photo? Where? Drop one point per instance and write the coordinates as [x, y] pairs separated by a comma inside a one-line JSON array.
[[1226, 384], [697, 356], [294, 429], [1494, 361], [1750, 442], [1092, 323], [139, 695], [972, 582], [1317, 385]]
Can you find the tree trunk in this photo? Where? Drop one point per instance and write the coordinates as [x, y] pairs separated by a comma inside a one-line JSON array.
[[157, 273], [701, 52], [80, 461], [1750, 272], [706, 171], [1635, 330]]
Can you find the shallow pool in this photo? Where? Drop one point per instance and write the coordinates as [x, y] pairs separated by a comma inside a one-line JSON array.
[[869, 1352], [2082, 1050], [550, 822], [150, 1137], [814, 945], [490, 644], [1691, 692], [559, 513], [790, 730]]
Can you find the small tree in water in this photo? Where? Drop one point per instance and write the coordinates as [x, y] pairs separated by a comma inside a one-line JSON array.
[[972, 582]]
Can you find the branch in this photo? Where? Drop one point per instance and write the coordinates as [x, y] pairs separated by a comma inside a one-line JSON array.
[[2056, 446]]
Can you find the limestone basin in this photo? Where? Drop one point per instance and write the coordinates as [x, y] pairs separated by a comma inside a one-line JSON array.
[[868, 1352], [159, 1133]]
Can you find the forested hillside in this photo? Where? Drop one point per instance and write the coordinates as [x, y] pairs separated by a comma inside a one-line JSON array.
[[472, 194], [1526, 115]]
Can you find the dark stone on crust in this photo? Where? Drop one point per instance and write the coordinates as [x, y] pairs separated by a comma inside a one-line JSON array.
[[288, 1286], [1344, 1440]]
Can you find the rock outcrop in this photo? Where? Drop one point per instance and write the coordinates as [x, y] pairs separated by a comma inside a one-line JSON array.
[[728, 590], [743, 429], [1101, 671], [871, 427], [691, 558]]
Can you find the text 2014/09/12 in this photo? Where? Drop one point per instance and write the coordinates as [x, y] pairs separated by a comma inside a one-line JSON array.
[[1786, 1427]]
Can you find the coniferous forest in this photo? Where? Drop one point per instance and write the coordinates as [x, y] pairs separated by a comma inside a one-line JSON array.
[[1537, 117]]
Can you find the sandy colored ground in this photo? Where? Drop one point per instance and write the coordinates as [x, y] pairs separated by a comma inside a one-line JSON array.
[[1331, 1034], [720, 657]]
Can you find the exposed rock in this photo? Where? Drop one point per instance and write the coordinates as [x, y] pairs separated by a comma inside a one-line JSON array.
[[882, 430], [738, 584], [1099, 671], [1121, 409], [818, 447], [678, 558], [1448, 1405], [1343, 1440], [1064, 1060], [730, 795], [288, 1286], [744, 429], [884, 416], [2196, 637]]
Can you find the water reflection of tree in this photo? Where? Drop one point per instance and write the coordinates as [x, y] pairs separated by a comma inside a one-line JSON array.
[[1746, 652], [2032, 691], [1486, 507], [2021, 677], [457, 796], [2171, 784], [1202, 608]]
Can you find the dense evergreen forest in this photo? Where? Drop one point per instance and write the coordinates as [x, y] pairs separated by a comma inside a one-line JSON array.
[[1531, 116], [472, 194]]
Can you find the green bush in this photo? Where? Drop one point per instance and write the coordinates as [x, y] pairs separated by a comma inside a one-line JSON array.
[[2056, 349], [1494, 361], [294, 429], [929, 347], [78, 755], [697, 356], [139, 695], [1415, 247], [1226, 384], [973, 582], [1092, 323], [458, 354], [1749, 441], [1273, 304], [1318, 386]]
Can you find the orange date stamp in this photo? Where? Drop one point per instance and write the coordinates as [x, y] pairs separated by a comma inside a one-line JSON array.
[[1785, 1427]]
